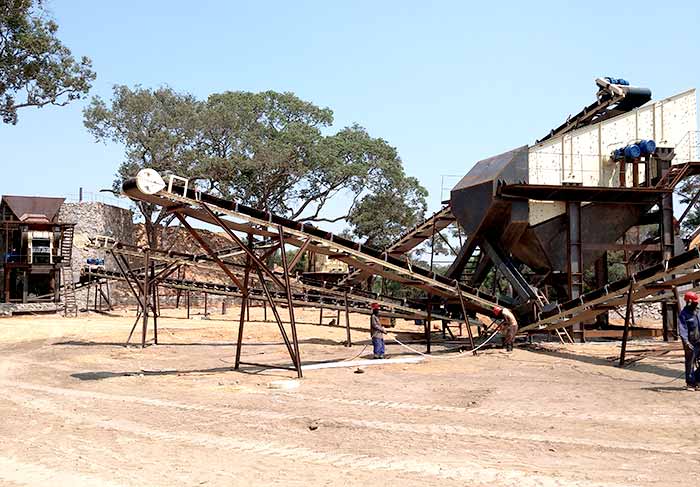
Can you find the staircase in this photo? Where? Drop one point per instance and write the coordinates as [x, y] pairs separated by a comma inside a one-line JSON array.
[[470, 267], [673, 176], [70, 304]]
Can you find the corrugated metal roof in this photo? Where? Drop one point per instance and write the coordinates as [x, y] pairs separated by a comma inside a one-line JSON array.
[[34, 209]]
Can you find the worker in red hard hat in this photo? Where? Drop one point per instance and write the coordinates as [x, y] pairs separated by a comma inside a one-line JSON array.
[[377, 332], [689, 331], [508, 326]]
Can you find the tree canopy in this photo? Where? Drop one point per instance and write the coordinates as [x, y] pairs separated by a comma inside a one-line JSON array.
[[158, 129], [267, 150], [687, 191], [36, 69]]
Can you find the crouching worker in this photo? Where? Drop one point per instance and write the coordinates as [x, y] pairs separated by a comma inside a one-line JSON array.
[[377, 332], [689, 331], [508, 326]]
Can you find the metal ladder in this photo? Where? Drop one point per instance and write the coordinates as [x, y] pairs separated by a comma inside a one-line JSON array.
[[70, 303], [67, 244], [561, 333]]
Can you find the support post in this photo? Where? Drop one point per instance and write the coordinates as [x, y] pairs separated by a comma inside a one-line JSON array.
[[276, 314], [144, 312], [290, 301], [154, 304], [348, 339], [432, 246], [601, 279], [625, 333], [575, 259], [669, 317], [428, 324], [241, 321], [466, 319]]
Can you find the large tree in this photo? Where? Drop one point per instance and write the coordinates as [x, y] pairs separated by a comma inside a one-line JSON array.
[[266, 150], [158, 129], [36, 69]]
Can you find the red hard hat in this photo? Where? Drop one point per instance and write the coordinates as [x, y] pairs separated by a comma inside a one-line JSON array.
[[691, 297], [374, 305], [497, 310]]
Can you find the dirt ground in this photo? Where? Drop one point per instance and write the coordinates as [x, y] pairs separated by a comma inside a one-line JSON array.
[[78, 408]]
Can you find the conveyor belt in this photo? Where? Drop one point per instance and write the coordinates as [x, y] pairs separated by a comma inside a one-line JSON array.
[[410, 239], [202, 206], [611, 100], [165, 257], [389, 304], [679, 270], [305, 297]]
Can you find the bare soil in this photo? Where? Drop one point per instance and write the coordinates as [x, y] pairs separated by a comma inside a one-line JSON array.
[[78, 408]]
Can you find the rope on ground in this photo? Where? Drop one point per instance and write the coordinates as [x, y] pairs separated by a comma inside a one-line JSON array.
[[448, 350]]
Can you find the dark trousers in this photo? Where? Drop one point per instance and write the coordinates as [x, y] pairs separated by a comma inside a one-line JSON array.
[[378, 345], [691, 373]]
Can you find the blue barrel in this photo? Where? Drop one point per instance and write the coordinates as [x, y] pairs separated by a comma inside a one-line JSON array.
[[632, 151], [647, 146], [618, 154]]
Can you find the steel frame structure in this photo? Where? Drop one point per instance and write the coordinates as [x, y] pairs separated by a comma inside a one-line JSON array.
[[273, 287]]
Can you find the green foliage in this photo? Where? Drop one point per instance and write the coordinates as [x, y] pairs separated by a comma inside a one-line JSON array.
[[265, 150], [158, 129], [686, 191], [36, 69]]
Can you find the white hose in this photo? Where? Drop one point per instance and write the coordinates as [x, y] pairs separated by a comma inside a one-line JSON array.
[[449, 350]]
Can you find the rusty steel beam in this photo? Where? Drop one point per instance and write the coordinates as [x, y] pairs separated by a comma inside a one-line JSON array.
[[208, 249]]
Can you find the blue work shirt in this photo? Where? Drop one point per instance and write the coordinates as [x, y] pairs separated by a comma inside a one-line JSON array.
[[689, 325]]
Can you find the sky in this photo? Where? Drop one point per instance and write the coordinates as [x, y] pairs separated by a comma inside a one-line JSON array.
[[447, 83]]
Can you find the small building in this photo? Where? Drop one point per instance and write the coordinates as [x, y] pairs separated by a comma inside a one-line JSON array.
[[34, 245]]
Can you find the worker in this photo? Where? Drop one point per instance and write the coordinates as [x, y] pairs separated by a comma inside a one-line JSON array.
[[377, 332], [689, 331], [508, 326]]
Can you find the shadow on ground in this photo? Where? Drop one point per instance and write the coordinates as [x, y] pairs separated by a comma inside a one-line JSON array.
[[600, 361]]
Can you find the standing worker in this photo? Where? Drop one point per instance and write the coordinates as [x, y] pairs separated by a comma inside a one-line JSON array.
[[508, 326], [377, 332], [689, 331]]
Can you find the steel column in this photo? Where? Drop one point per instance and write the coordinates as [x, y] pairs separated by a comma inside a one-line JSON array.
[[241, 322], [290, 301], [575, 258], [625, 333], [144, 289], [348, 342], [466, 320]]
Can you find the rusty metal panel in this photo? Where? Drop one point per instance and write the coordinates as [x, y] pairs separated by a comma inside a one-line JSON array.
[[36, 209], [510, 166]]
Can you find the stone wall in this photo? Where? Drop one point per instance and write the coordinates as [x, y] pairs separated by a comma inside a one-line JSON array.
[[92, 219]]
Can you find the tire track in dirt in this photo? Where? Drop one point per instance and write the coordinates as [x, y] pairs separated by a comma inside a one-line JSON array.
[[644, 420], [410, 428], [33, 474], [468, 472]]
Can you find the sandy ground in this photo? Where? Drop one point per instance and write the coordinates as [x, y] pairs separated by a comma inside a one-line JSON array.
[[78, 408]]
